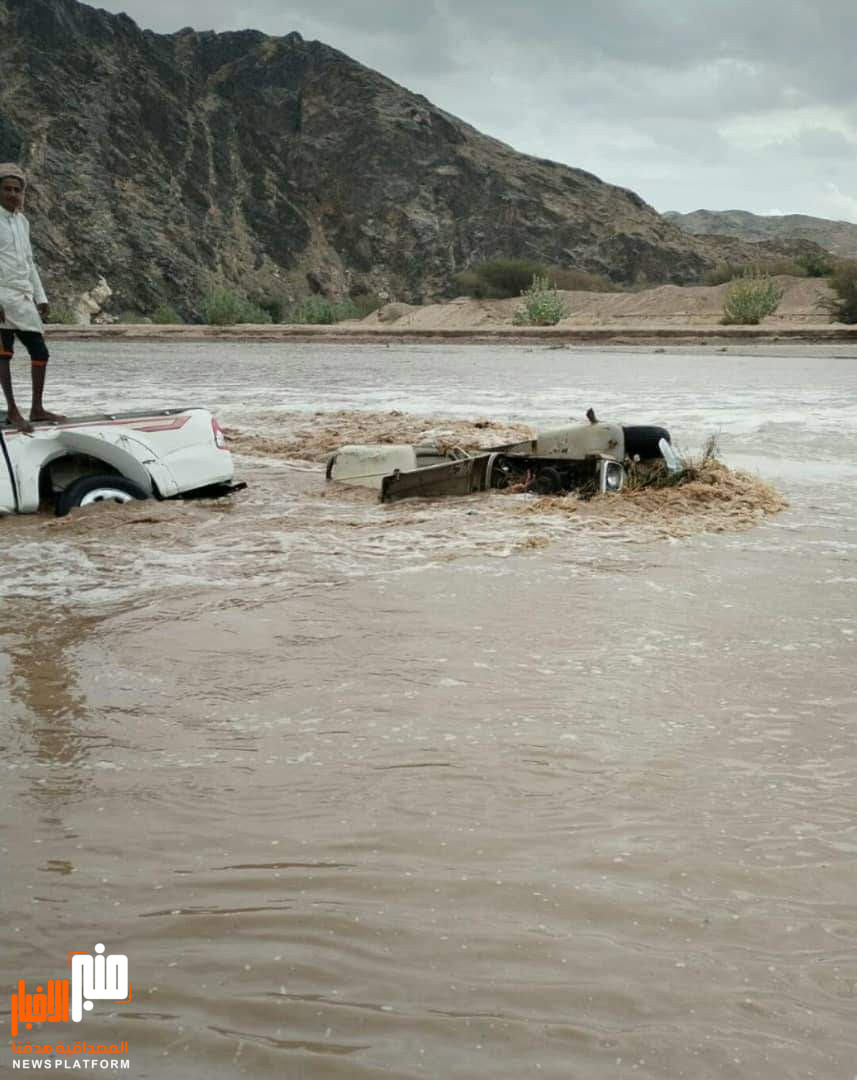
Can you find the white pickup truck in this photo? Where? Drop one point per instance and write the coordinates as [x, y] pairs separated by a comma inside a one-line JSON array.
[[160, 453]]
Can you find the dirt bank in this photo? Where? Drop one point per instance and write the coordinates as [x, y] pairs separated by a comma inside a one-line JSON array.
[[689, 305], [667, 313]]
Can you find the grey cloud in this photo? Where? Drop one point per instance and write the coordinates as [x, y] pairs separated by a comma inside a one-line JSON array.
[[802, 44], [378, 34], [637, 91], [823, 142]]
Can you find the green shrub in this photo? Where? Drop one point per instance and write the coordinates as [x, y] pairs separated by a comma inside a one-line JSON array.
[[498, 279], [816, 264], [843, 306], [541, 304], [275, 306], [579, 280], [222, 307], [133, 318], [469, 283], [723, 272], [315, 311], [62, 315], [727, 271], [750, 298], [166, 315], [365, 304], [502, 278], [776, 267], [252, 313], [319, 311]]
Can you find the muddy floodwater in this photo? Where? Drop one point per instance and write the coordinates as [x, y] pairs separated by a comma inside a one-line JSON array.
[[443, 789]]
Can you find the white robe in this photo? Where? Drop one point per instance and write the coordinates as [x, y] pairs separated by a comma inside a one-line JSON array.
[[20, 285]]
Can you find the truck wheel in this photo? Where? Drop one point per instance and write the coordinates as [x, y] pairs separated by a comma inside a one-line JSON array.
[[97, 489], [548, 482], [642, 440]]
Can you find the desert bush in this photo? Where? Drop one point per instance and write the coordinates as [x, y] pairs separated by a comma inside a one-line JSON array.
[[787, 266], [320, 311], [727, 271], [223, 307], [252, 313], [275, 306], [541, 304], [498, 279], [166, 315], [220, 307], [365, 304], [502, 278], [469, 283], [816, 264], [723, 272], [750, 298], [778, 267], [579, 280], [842, 307], [315, 310]]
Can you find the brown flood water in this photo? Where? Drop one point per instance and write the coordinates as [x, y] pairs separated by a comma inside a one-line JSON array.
[[443, 790]]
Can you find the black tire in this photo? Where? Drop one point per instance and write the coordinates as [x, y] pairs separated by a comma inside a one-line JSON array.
[[548, 482], [642, 441], [86, 490], [499, 475]]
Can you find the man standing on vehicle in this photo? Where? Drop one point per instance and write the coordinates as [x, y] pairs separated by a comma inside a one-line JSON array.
[[23, 303]]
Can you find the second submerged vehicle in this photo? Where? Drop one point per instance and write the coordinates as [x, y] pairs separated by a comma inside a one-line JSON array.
[[587, 458]]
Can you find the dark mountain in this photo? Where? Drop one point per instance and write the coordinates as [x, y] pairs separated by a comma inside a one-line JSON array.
[[279, 167], [838, 237]]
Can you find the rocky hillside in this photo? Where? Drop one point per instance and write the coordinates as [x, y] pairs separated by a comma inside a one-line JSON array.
[[280, 167], [838, 237]]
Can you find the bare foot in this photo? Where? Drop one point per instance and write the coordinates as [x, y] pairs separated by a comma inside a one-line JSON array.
[[43, 414], [17, 420]]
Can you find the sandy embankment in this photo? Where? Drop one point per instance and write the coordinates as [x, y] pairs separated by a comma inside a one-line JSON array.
[[667, 313], [665, 305]]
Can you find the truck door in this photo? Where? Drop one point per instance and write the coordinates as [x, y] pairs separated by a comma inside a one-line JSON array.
[[8, 502]]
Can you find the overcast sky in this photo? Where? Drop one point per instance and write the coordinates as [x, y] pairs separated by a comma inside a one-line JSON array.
[[715, 104]]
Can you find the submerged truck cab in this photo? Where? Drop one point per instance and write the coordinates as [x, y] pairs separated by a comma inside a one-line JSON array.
[[588, 458]]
